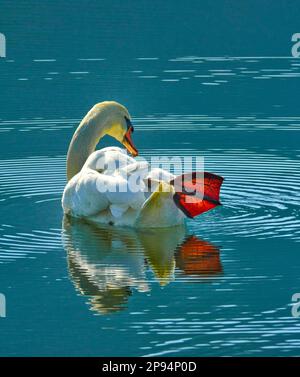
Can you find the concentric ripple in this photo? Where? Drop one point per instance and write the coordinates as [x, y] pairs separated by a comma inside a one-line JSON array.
[[260, 194], [15, 244]]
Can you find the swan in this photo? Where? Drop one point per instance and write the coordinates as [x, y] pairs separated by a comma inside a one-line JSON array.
[[99, 186]]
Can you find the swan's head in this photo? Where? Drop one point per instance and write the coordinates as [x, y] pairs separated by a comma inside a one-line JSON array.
[[113, 119]]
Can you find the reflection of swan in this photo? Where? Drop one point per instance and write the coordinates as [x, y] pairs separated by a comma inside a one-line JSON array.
[[109, 187], [198, 257], [107, 263]]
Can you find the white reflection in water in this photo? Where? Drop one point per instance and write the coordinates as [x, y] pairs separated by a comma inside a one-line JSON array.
[[107, 264]]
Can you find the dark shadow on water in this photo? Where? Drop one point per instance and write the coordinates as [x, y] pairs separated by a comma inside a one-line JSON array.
[[107, 264]]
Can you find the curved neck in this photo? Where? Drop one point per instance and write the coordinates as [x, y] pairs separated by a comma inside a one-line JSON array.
[[104, 118], [83, 143]]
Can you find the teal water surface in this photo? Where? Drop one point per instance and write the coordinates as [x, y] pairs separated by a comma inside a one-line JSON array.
[[222, 286]]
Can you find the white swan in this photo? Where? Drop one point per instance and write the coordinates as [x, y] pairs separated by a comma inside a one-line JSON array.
[[99, 184]]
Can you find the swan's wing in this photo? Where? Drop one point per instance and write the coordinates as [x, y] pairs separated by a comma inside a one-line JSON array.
[[81, 196], [135, 167], [108, 160], [155, 176], [158, 174], [89, 193], [122, 192], [109, 180]]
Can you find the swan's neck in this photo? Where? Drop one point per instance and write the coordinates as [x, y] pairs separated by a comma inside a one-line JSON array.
[[104, 118], [83, 143]]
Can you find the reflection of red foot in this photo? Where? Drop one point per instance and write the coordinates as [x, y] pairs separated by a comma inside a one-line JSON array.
[[196, 256], [197, 192]]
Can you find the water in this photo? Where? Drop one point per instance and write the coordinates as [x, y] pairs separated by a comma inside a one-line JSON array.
[[221, 287]]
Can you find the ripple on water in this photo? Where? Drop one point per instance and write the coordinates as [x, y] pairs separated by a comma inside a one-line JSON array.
[[259, 198], [15, 244], [168, 122]]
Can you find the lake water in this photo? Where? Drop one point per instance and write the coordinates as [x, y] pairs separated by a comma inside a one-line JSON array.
[[222, 286]]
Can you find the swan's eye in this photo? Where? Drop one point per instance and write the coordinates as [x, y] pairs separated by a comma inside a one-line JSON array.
[[129, 124]]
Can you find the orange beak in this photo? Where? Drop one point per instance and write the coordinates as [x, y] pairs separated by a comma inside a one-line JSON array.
[[128, 143]]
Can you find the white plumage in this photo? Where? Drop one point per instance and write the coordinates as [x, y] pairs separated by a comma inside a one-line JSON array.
[[102, 192]]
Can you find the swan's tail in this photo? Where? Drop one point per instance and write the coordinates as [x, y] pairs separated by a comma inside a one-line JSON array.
[[197, 192]]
